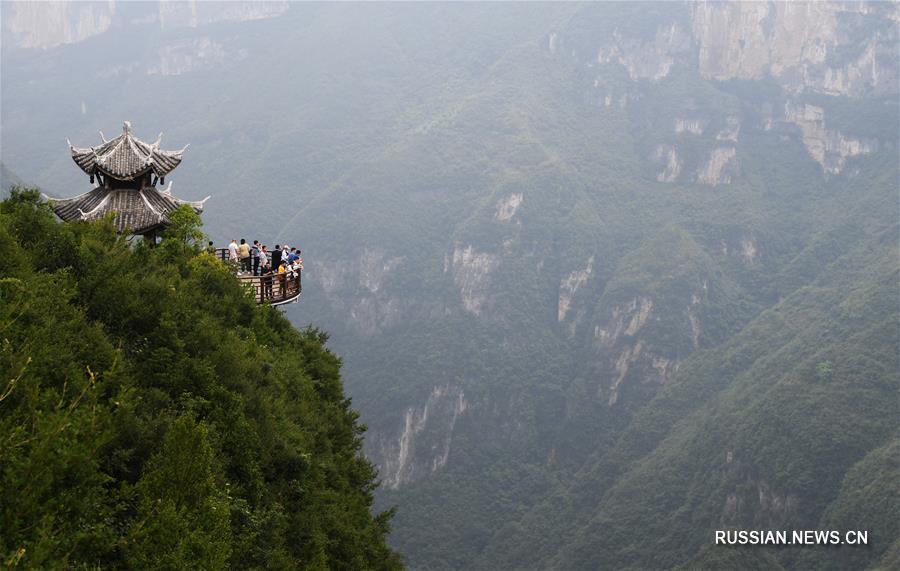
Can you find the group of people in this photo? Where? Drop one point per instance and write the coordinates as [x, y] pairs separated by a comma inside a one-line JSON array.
[[258, 260]]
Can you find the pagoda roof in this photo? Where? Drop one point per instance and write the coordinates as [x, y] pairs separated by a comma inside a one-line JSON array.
[[136, 211], [126, 157]]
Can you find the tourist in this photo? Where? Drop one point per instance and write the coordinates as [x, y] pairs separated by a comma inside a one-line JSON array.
[[254, 254], [244, 253], [233, 252], [276, 257], [211, 248], [282, 277], [266, 273], [263, 260]]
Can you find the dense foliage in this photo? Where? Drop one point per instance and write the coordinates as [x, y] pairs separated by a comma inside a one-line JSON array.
[[152, 416]]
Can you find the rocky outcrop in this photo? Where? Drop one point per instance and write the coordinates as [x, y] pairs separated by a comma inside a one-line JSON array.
[[636, 312], [471, 275], [719, 168], [422, 446], [628, 356], [692, 126], [49, 24], [668, 157], [191, 13], [506, 207], [829, 148], [188, 55], [569, 285], [754, 503], [746, 247], [357, 286], [731, 131], [651, 60], [374, 267], [797, 43], [694, 314]]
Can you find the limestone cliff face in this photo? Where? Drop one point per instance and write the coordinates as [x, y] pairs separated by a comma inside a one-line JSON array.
[[48, 24], [652, 59], [421, 446], [838, 48], [471, 272], [624, 354], [569, 285], [797, 43], [356, 288], [719, 167], [821, 49], [669, 161], [828, 147], [508, 206], [188, 55], [191, 13]]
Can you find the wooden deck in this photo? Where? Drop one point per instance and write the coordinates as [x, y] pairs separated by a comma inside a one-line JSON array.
[[275, 289]]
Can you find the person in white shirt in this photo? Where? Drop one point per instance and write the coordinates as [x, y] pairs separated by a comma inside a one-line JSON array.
[[263, 260], [233, 251]]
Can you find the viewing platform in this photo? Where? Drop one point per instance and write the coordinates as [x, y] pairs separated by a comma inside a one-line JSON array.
[[274, 288], [125, 171]]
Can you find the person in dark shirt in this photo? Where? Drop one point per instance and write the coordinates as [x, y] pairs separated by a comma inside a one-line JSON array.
[[254, 253], [276, 258]]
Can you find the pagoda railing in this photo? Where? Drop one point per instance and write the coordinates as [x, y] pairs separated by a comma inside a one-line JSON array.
[[274, 288]]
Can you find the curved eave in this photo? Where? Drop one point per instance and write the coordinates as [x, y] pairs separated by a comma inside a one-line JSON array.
[[126, 158], [72, 208], [164, 162], [85, 159]]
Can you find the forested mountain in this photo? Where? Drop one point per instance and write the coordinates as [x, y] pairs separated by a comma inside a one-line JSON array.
[[605, 277], [153, 417]]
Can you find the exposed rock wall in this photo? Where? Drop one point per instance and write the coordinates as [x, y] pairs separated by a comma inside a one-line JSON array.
[[507, 207], [795, 43], [827, 147], [48, 24], [569, 285], [357, 287], [423, 443], [472, 276], [720, 167]]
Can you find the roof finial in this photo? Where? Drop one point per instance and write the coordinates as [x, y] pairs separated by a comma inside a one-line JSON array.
[[102, 137], [126, 127], [158, 139]]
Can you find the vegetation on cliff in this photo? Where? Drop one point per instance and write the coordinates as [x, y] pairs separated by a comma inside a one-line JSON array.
[[152, 416]]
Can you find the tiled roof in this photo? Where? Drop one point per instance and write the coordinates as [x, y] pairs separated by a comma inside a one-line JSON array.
[[136, 211], [126, 157]]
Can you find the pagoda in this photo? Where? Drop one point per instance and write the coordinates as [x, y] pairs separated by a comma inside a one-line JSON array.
[[126, 171]]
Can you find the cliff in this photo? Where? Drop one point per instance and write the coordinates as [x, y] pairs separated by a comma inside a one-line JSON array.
[[154, 416]]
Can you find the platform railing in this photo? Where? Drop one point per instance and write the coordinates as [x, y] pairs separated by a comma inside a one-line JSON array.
[[274, 288]]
